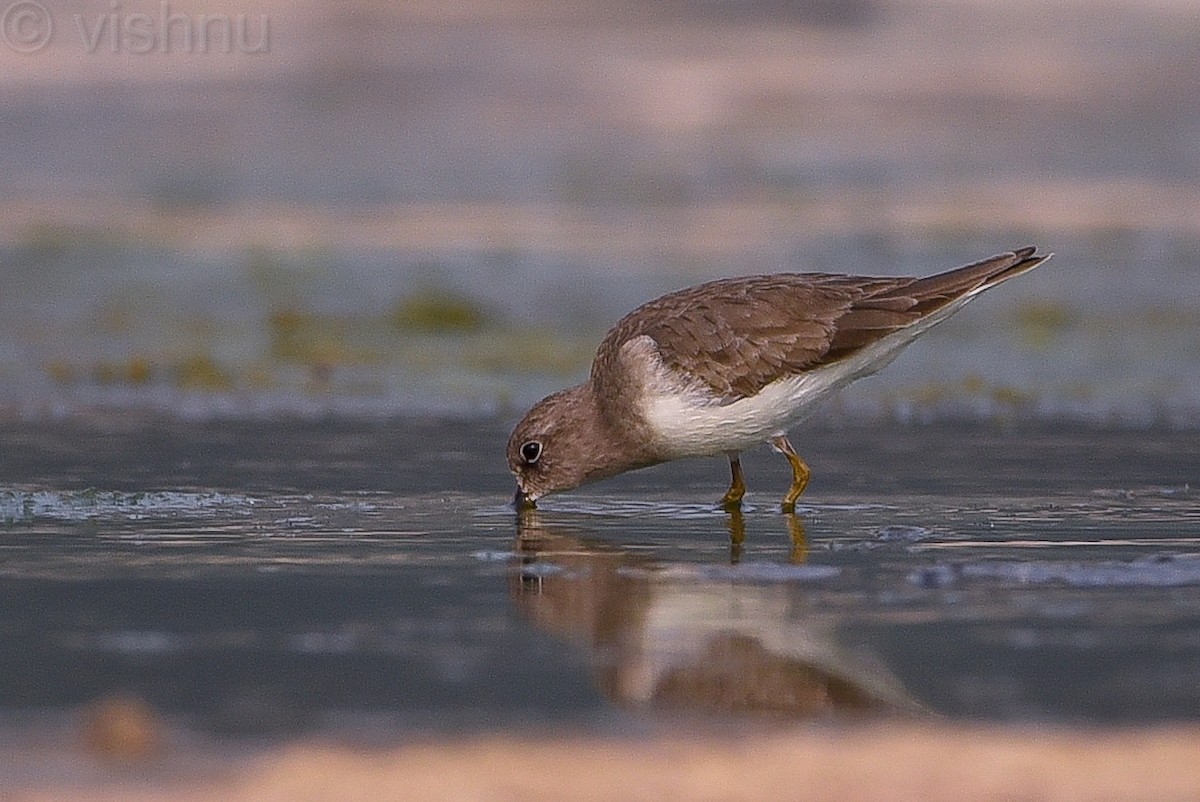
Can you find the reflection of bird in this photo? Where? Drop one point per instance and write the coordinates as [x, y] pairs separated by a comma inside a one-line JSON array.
[[726, 365], [661, 641]]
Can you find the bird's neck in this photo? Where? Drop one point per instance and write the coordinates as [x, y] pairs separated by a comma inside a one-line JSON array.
[[616, 428]]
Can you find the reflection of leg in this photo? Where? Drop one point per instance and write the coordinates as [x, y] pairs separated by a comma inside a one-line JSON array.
[[531, 541], [737, 535], [800, 472], [732, 499], [799, 538]]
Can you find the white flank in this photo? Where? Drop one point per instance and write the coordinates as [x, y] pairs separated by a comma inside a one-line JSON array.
[[689, 422]]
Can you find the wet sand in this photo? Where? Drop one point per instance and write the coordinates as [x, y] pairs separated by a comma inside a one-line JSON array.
[[892, 762]]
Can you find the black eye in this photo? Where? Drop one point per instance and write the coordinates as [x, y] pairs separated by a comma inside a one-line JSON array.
[[531, 451]]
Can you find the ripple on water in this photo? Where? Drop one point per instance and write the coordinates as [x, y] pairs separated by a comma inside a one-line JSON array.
[[744, 572], [1151, 571], [79, 505], [633, 508]]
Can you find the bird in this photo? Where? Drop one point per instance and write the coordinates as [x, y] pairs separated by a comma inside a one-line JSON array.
[[729, 364]]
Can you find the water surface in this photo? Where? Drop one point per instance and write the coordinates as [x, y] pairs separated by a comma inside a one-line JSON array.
[[264, 579]]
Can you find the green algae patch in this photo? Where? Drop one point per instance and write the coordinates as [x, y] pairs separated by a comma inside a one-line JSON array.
[[300, 337], [1040, 323], [201, 372], [541, 351], [134, 371], [438, 312]]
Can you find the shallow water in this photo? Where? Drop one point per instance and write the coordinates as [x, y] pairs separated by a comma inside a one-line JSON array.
[[263, 579]]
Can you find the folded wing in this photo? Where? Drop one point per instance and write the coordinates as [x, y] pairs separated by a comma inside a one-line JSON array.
[[735, 336]]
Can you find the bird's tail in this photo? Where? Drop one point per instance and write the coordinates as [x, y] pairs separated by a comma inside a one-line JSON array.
[[936, 291]]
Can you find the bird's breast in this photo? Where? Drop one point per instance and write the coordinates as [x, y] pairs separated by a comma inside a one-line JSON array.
[[694, 423]]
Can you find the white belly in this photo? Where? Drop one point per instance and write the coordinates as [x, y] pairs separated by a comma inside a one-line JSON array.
[[688, 422]]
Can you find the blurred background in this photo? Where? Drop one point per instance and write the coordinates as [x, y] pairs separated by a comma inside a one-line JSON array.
[[262, 207]]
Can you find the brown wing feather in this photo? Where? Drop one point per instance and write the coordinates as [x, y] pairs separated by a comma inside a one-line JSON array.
[[933, 292], [738, 335]]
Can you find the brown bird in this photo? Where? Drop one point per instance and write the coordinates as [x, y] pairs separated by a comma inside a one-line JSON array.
[[723, 366]]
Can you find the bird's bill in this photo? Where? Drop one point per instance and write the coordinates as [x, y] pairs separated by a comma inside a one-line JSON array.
[[523, 501]]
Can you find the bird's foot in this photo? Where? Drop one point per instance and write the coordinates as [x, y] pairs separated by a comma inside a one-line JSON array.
[[800, 473], [732, 500]]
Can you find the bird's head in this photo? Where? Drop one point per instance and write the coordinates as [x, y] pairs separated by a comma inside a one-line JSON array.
[[561, 443], [545, 452]]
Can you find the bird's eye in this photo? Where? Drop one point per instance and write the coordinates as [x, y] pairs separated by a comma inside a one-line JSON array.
[[531, 451]]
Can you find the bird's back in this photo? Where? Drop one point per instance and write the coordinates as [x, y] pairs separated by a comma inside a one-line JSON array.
[[737, 335]]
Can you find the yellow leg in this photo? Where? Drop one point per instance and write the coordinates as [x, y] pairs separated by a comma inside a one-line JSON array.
[[799, 552], [800, 472], [737, 535], [732, 500]]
